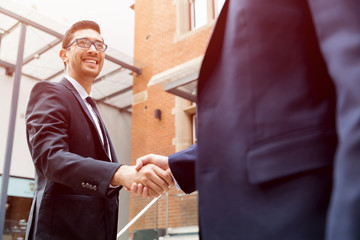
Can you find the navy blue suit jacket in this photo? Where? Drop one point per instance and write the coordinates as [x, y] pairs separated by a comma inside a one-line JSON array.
[[278, 117], [73, 172]]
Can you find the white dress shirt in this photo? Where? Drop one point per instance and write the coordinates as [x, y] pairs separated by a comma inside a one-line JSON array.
[[83, 94]]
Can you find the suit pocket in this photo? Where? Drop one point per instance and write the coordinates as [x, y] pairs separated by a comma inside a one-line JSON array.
[[291, 154], [71, 217]]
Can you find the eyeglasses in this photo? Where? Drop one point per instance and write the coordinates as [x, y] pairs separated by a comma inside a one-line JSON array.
[[86, 43]]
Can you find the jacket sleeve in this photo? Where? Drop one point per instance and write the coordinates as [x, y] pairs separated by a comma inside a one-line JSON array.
[[337, 23], [182, 165], [47, 129]]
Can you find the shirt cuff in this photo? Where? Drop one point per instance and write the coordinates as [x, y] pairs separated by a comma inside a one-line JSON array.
[[176, 183]]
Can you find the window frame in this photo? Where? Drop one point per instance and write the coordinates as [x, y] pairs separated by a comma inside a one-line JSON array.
[[186, 16]]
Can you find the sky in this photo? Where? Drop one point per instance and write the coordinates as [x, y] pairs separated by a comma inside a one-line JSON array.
[[115, 17]]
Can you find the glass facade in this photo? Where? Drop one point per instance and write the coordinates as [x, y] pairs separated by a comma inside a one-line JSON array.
[[20, 196]]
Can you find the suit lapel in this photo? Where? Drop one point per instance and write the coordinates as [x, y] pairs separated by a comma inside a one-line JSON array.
[[69, 86]]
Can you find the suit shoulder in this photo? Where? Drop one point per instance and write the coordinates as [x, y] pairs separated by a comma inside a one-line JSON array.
[[47, 86], [46, 93], [44, 89]]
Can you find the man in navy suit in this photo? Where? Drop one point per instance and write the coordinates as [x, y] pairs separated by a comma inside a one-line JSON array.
[[78, 177], [278, 107]]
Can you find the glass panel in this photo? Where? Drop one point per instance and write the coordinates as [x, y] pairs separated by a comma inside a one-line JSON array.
[[36, 40], [110, 84], [41, 55], [46, 64], [10, 45], [122, 101], [17, 213], [6, 23], [199, 8], [19, 200]]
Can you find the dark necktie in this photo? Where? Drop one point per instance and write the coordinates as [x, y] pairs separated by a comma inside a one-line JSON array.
[[93, 105]]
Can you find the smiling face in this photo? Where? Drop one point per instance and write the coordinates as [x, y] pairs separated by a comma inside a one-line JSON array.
[[83, 64]]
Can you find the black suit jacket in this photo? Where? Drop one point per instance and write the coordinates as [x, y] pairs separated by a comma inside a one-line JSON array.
[[278, 107], [73, 173]]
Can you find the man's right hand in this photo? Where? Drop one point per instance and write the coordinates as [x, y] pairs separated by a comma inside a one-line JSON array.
[[150, 180], [159, 160]]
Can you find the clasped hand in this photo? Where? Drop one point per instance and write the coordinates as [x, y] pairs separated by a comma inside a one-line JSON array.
[[150, 177]]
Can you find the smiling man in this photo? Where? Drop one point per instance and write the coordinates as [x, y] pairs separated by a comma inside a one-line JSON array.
[[78, 176]]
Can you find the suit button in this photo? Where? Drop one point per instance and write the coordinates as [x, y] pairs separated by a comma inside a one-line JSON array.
[[87, 185], [95, 188], [83, 184]]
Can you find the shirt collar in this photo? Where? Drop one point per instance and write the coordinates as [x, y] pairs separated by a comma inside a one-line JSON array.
[[83, 94]]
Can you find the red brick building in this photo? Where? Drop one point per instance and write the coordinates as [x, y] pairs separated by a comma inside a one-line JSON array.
[[170, 41]]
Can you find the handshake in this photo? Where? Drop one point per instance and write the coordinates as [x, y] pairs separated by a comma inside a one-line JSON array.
[[150, 177]]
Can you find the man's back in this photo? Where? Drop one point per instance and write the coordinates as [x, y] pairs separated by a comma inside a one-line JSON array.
[[266, 125]]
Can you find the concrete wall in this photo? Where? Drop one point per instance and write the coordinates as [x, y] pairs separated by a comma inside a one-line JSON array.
[[21, 164]]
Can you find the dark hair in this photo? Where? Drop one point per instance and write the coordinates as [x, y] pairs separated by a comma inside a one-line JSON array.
[[84, 24]]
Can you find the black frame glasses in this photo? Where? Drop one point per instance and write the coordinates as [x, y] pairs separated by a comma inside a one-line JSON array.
[[99, 46]]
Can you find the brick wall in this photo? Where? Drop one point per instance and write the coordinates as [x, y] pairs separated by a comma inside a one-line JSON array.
[[157, 50]]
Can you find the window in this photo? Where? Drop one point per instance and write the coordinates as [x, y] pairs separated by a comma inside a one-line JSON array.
[[193, 123], [193, 14], [19, 200], [185, 123], [203, 11], [198, 13]]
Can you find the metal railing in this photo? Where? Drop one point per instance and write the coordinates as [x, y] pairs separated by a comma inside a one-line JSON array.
[[139, 215], [178, 210]]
